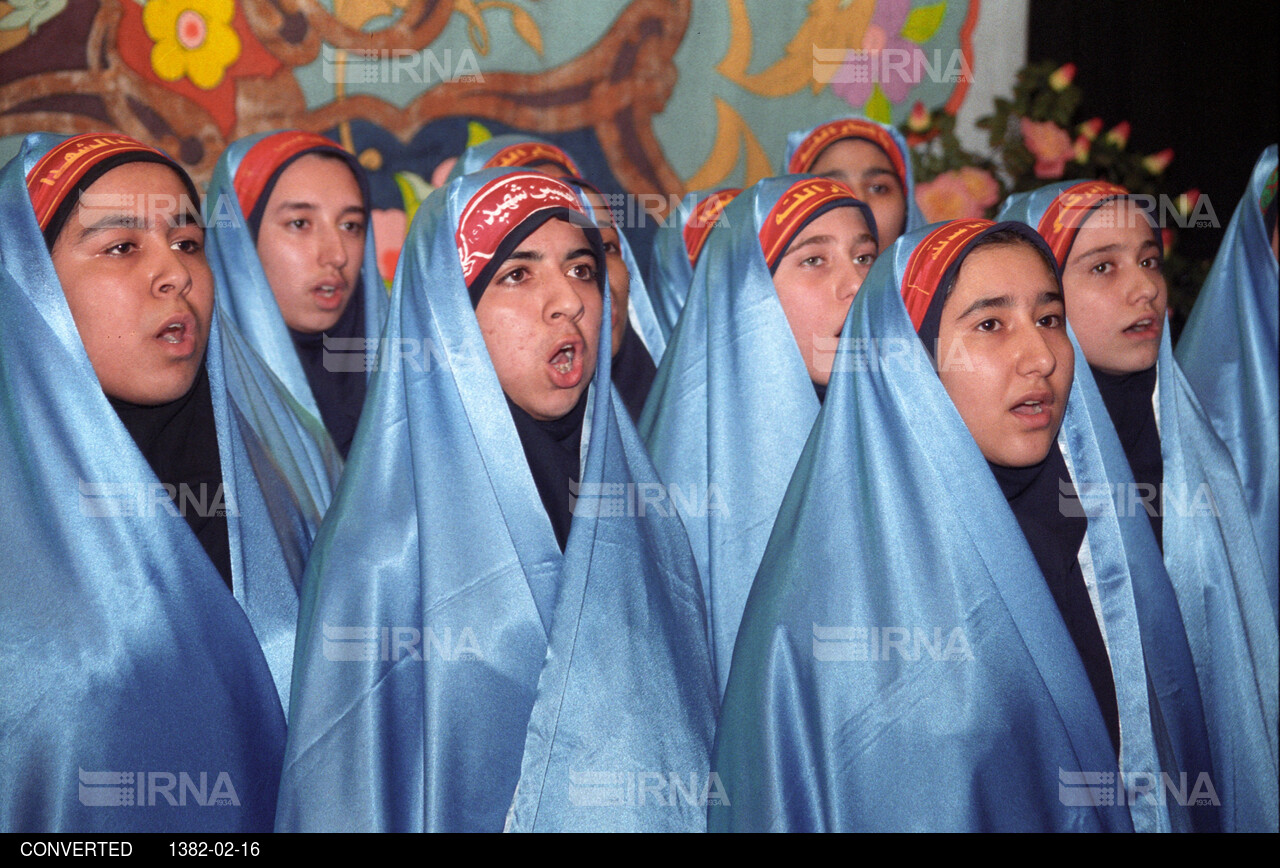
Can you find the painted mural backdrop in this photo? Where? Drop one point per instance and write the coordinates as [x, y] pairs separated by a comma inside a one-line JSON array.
[[652, 97]]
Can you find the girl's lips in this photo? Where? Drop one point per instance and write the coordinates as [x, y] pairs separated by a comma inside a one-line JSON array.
[[177, 337], [1034, 410], [328, 296], [1146, 328], [566, 364]]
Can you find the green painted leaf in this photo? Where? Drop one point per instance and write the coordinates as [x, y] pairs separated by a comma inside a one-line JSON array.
[[878, 108], [922, 23]]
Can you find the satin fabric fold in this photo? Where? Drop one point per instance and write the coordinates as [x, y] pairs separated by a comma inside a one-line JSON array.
[[455, 671], [914, 217], [670, 269], [730, 410], [245, 298], [640, 307], [126, 662], [1211, 558], [902, 664], [1228, 352]]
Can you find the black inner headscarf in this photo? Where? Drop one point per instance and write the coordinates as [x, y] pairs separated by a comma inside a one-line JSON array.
[[552, 450], [339, 394], [633, 372], [180, 442], [1038, 496], [1129, 404]]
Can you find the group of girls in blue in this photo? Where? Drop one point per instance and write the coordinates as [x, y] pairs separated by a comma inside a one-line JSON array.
[[837, 521]]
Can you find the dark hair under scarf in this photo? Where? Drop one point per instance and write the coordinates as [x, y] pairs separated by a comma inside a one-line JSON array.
[[1034, 493]]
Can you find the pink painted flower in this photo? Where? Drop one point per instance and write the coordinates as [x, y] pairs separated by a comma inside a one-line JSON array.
[[884, 58], [951, 196], [982, 188], [1049, 144], [390, 226]]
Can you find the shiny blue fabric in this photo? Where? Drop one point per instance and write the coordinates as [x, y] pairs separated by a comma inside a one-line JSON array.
[[639, 304], [640, 308], [1211, 557], [1228, 353], [982, 718], [245, 298], [730, 411], [670, 273], [915, 217], [447, 650], [123, 652]]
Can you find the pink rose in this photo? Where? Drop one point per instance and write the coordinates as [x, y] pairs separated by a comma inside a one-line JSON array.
[[948, 197], [1049, 144]]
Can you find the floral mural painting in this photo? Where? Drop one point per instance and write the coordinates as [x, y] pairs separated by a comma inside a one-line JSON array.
[[653, 97]]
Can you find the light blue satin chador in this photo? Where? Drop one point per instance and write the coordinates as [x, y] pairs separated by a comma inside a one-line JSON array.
[[1228, 352], [902, 664], [730, 410], [245, 298], [1211, 557], [127, 664], [455, 671]]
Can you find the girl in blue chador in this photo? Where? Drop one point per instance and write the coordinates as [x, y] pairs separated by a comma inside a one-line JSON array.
[[745, 373], [1228, 352], [1176, 474], [869, 158], [160, 525], [292, 251], [501, 629], [942, 636]]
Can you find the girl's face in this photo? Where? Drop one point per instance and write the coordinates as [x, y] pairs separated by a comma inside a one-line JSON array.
[[132, 265], [311, 241], [816, 280], [1115, 291], [540, 317], [868, 172], [1003, 353]]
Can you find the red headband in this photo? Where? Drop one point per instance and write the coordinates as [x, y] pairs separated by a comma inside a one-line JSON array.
[[703, 219], [1069, 209], [264, 158], [58, 172], [531, 153], [793, 208], [848, 128], [930, 260], [500, 206]]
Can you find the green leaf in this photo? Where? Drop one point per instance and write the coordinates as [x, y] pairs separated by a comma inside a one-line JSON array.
[[922, 23], [878, 108]]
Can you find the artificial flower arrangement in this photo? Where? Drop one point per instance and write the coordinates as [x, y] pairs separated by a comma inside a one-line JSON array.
[[1035, 140]]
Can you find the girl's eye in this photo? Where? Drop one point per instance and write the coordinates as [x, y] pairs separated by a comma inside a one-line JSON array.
[[188, 245], [610, 248], [298, 223], [865, 259], [354, 226], [515, 275], [122, 248], [1102, 268], [1051, 321], [1152, 262], [582, 271], [812, 261], [988, 325]]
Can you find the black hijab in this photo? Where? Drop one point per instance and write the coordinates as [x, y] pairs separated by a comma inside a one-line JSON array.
[[180, 442], [633, 372], [1129, 401], [339, 393]]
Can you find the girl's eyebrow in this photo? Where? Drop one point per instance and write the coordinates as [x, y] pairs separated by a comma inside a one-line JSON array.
[[1104, 248]]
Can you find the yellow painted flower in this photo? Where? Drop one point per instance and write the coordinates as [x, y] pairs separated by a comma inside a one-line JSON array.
[[193, 38]]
